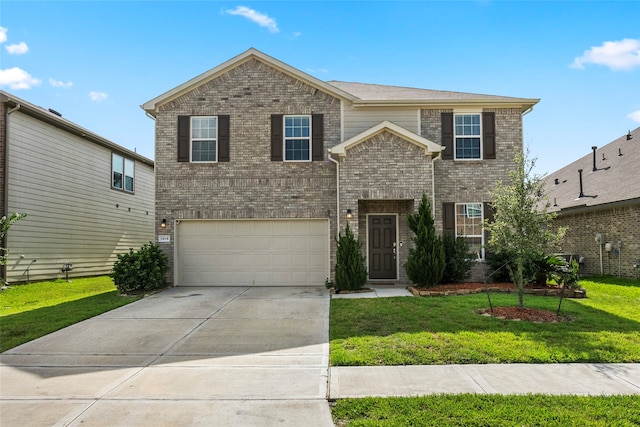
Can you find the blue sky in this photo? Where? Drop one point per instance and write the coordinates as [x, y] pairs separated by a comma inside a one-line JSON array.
[[96, 62]]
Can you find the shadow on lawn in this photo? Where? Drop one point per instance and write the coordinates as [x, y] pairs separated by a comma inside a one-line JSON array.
[[16, 329], [387, 316]]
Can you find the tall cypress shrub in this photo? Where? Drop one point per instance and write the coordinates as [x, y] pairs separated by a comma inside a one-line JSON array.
[[425, 264], [350, 272]]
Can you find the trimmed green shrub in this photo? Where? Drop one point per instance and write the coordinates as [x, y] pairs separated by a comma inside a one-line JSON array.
[[457, 258], [350, 272], [425, 264], [140, 271]]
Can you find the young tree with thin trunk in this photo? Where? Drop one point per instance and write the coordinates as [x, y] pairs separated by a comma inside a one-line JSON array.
[[521, 228]]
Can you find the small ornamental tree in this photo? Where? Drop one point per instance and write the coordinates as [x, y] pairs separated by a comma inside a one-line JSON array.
[[350, 272], [426, 262], [521, 228], [5, 224], [140, 271]]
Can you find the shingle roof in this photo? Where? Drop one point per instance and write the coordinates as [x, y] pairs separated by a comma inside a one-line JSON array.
[[617, 178], [374, 92]]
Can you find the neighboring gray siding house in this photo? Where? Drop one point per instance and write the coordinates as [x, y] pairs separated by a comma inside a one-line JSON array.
[[87, 199], [258, 165], [604, 199]]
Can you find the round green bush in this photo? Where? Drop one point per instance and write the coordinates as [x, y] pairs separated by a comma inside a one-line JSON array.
[[142, 270]]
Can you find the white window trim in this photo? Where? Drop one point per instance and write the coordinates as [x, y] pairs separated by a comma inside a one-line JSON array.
[[191, 139], [455, 136], [124, 174], [481, 235], [284, 137]]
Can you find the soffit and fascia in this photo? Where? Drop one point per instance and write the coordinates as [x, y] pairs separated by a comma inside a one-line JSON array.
[[60, 122]]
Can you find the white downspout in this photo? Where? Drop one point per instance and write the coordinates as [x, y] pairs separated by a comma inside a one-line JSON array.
[[433, 185], [337, 189]]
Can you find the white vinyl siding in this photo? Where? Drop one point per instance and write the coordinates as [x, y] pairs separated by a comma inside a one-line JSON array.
[[253, 252], [61, 181], [358, 120]]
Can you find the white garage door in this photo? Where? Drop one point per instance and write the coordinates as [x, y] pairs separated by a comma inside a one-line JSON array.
[[253, 253]]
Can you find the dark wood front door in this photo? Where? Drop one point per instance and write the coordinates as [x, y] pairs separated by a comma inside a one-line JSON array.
[[382, 247]]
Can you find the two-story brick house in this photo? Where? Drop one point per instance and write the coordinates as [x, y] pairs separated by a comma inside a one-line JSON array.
[[258, 165]]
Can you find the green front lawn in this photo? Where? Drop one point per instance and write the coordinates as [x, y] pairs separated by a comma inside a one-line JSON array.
[[488, 410], [445, 330], [30, 311]]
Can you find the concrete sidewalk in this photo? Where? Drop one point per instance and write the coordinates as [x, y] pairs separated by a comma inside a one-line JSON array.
[[557, 379]]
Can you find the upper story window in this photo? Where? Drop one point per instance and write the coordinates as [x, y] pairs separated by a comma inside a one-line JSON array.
[[297, 138], [467, 136], [122, 173], [469, 224], [204, 139]]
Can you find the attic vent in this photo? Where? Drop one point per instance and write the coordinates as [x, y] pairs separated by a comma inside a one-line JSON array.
[[556, 181], [619, 151], [52, 111], [629, 136], [581, 192]]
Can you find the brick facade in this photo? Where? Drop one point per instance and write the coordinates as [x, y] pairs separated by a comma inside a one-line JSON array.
[[250, 185], [384, 174], [616, 224]]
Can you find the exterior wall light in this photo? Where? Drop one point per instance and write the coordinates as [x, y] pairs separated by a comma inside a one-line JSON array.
[[349, 214], [163, 224]]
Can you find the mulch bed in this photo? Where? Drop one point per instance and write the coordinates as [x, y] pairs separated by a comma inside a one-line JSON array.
[[508, 313]]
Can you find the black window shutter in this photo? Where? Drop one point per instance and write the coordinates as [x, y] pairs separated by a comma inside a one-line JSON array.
[[223, 138], [276, 137], [489, 213], [489, 135], [317, 137], [447, 135], [449, 218], [184, 135]]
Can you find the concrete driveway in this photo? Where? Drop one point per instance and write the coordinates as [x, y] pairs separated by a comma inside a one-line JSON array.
[[185, 356]]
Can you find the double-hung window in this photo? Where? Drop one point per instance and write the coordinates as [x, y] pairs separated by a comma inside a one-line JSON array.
[[204, 139], [122, 173], [297, 138], [469, 224], [467, 137]]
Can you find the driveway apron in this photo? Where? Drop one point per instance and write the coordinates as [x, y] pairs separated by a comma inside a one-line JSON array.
[[185, 356]]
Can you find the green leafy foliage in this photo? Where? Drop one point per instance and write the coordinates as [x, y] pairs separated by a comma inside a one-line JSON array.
[[140, 271], [426, 261], [350, 271], [5, 224], [522, 223], [457, 258]]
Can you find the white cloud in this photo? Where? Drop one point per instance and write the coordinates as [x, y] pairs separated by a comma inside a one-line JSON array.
[[618, 55], [297, 34], [17, 49], [255, 16], [318, 70], [60, 83], [3, 34], [17, 78], [98, 96], [635, 116]]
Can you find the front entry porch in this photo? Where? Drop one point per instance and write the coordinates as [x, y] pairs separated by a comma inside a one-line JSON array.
[[385, 238]]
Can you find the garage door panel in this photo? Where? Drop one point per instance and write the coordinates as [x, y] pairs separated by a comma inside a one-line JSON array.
[[253, 252]]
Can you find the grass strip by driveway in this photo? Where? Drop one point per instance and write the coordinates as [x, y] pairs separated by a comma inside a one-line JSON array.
[[488, 410], [605, 328], [33, 310]]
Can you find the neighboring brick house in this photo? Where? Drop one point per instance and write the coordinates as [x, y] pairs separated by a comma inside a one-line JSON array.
[[87, 198], [258, 165], [599, 194]]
